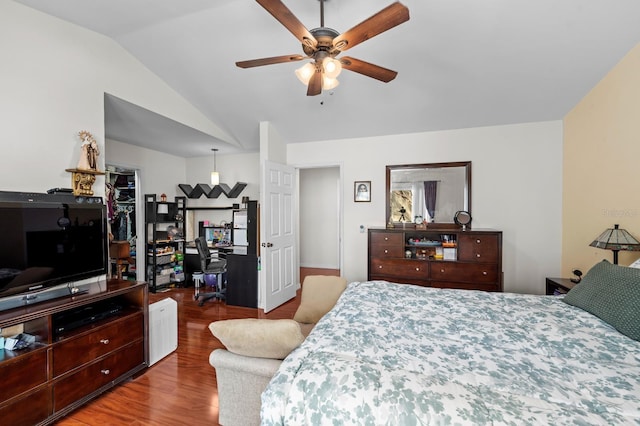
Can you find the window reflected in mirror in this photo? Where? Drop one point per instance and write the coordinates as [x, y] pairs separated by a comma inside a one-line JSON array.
[[401, 203]]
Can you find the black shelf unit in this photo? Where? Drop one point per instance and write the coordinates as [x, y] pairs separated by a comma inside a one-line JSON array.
[[161, 250]]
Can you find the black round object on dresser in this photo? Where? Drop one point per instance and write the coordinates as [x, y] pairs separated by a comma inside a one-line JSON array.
[[462, 218]]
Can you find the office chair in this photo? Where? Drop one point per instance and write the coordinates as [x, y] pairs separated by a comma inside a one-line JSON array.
[[210, 265]]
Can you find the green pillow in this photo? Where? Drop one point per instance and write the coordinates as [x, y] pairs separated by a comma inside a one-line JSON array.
[[612, 293]]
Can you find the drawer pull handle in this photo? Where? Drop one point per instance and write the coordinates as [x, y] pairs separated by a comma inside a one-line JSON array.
[[417, 269], [484, 272], [386, 251], [380, 267], [106, 371], [442, 270], [478, 241], [477, 254], [104, 341], [386, 238]]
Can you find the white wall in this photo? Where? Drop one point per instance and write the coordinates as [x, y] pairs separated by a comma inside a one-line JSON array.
[[52, 83], [319, 217], [516, 188]]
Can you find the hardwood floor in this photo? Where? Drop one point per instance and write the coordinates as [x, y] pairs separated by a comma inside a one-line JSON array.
[[181, 388]]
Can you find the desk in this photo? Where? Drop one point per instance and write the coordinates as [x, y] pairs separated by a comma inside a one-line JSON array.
[[242, 280]]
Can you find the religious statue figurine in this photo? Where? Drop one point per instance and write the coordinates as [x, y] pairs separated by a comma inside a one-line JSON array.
[[89, 152]]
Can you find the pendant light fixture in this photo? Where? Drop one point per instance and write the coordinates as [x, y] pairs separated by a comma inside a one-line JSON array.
[[215, 176]]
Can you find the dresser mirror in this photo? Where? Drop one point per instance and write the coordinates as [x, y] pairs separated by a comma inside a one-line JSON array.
[[431, 192]]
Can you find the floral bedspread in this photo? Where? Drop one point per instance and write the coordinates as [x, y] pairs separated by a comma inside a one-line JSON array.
[[390, 354]]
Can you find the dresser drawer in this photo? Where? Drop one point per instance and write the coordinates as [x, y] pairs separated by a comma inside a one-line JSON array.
[[466, 272], [94, 376], [387, 239], [28, 410], [466, 286], [74, 352], [478, 248], [381, 251], [22, 373], [400, 268]]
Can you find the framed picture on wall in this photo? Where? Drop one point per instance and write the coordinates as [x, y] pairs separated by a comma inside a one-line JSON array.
[[362, 191]]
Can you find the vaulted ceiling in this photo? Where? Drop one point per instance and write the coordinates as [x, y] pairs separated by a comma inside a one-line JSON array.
[[460, 63]]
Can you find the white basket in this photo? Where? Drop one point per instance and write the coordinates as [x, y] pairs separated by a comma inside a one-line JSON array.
[[163, 279]]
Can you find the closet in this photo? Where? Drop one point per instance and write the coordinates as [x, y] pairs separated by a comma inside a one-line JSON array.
[[120, 199]]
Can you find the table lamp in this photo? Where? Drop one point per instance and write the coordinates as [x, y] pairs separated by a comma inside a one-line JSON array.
[[616, 239]]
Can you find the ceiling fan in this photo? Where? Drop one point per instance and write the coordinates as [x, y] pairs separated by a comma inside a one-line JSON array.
[[323, 44]]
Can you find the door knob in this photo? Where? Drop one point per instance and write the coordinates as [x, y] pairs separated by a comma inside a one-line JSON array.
[[266, 245]]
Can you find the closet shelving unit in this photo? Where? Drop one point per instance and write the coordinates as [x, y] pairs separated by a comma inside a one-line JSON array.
[[123, 204]]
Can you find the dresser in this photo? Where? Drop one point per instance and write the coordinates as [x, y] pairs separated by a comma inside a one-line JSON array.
[[84, 345], [446, 258]]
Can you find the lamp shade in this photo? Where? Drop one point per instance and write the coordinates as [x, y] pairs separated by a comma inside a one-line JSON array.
[[331, 67], [215, 178], [305, 72], [329, 83], [616, 239]]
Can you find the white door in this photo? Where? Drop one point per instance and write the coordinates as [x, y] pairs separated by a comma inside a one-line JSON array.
[[278, 251]]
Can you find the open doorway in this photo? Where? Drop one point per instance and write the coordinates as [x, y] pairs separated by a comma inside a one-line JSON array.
[[320, 221]]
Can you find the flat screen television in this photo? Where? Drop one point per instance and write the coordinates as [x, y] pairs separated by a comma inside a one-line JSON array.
[[50, 240]]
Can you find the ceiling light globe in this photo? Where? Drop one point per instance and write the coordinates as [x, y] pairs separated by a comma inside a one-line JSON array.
[[331, 67], [305, 72], [329, 83], [215, 178]]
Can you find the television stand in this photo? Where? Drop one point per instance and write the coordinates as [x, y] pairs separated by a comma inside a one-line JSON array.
[[68, 366]]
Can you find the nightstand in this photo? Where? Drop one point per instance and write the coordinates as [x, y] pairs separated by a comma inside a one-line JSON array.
[[556, 286]]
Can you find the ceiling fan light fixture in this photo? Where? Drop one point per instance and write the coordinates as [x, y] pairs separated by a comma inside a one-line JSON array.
[[305, 72], [331, 67], [329, 83]]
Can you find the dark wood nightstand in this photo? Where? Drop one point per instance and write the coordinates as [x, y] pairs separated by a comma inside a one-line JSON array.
[[557, 286]]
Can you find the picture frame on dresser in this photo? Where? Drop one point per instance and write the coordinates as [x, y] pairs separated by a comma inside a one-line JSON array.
[[362, 191]]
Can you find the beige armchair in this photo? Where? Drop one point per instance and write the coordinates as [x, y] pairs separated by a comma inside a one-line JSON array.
[[256, 347]]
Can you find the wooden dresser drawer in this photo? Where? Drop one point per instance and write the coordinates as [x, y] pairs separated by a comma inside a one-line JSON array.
[[94, 376], [22, 373], [465, 272], [400, 268], [387, 239], [478, 248], [380, 251], [74, 352], [28, 410], [466, 286]]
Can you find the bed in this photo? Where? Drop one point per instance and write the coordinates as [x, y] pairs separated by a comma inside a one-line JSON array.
[[391, 354]]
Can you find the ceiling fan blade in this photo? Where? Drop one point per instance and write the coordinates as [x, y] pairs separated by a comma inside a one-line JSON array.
[[315, 84], [389, 17], [370, 70], [269, 61], [282, 13]]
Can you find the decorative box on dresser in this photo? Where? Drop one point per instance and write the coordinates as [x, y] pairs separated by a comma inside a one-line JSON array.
[[446, 258], [76, 355]]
